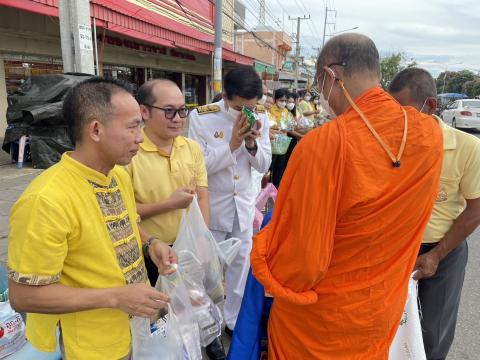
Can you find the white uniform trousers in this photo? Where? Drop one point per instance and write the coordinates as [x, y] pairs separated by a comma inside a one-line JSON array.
[[235, 274]]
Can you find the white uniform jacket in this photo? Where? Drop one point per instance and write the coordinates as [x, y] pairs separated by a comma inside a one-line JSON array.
[[229, 174]]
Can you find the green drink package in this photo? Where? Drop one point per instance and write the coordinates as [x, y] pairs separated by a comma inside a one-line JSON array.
[[251, 118]]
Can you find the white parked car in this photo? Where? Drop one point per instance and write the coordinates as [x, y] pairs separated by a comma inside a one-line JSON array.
[[463, 114]]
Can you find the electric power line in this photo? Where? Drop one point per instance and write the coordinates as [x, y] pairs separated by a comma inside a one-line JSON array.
[[257, 11]]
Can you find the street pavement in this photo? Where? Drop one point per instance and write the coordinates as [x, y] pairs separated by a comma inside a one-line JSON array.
[[466, 345]]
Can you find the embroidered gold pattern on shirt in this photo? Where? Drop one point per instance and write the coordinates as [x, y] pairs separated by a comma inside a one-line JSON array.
[[121, 232]]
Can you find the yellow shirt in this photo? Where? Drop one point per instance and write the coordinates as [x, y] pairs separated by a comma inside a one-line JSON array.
[[77, 227], [306, 106], [278, 114], [460, 180], [156, 175]]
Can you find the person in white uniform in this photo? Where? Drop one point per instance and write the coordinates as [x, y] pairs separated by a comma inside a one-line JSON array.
[[231, 150]]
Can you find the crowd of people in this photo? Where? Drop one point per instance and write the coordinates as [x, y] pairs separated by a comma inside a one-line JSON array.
[[362, 170]]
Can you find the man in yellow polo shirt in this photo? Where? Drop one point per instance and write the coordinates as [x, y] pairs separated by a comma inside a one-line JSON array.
[[456, 214], [75, 256], [168, 170]]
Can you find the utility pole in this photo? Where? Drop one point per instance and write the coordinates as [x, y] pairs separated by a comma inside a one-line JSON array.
[[262, 12], [297, 49], [76, 36], [325, 24], [217, 56]]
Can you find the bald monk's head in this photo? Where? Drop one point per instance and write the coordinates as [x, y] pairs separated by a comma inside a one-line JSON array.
[[352, 58], [415, 87]]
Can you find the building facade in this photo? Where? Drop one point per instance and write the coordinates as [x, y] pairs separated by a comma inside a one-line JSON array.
[[136, 40], [268, 47]]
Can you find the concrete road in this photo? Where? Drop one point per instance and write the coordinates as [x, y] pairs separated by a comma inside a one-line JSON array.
[[467, 340]]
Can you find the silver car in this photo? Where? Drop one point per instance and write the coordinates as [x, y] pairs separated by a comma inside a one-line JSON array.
[[463, 114]]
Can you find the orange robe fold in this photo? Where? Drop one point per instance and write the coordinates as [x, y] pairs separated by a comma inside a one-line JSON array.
[[345, 233]]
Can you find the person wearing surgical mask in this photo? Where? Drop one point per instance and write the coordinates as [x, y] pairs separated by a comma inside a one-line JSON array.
[[232, 147], [280, 120], [307, 107], [339, 252], [293, 132], [279, 114], [443, 255]]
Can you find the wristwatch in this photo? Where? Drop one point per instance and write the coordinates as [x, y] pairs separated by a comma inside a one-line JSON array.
[[146, 246]]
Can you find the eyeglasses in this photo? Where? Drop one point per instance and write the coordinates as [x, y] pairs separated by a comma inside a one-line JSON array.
[[171, 112]]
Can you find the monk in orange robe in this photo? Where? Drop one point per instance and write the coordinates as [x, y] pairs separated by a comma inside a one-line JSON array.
[[349, 218]]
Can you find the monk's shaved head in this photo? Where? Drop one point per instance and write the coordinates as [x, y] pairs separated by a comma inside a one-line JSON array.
[[417, 82], [355, 52]]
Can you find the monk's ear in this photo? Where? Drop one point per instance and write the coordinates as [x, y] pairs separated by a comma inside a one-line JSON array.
[[432, 105]]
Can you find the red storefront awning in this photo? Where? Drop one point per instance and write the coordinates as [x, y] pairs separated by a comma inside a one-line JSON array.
[[129, 19]]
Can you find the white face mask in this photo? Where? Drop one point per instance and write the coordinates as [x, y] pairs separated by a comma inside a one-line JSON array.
[[324, 102], [308, 98], [326, 106], [290, 106], [315, 101], [233, 113], [281, 104], [263, 100]]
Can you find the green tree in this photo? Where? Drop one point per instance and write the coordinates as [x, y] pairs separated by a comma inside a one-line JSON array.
[[468, 87], [392, 65], [476, 89], [454, 81]]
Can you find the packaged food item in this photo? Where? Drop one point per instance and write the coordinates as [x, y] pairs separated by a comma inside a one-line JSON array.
[[251, 117]]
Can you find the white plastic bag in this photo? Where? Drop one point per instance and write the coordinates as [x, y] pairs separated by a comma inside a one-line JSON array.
[[12, 328], [205, 312], [175, 335], [408, 341], [174, 286], [304, 123], [160, 340], [195, 237]]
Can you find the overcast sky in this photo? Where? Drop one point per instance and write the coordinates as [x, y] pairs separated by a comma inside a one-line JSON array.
[[438, 34]]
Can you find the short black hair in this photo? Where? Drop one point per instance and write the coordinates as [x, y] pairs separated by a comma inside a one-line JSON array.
[[293, 95], [217, 97], [88, 100], [145, 94], [281, 93], [244, 82], [354, 52], [419, 81]]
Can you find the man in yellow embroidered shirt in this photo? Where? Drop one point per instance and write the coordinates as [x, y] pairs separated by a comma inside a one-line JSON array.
[[75, 257], [456, 214]]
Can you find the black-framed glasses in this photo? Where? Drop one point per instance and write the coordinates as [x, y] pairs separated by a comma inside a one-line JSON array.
[[171, 112]]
